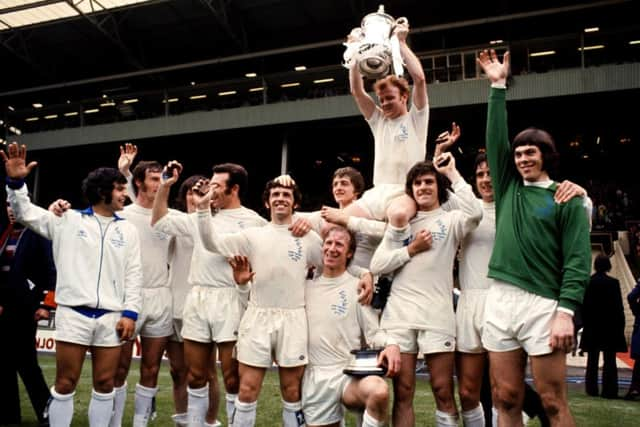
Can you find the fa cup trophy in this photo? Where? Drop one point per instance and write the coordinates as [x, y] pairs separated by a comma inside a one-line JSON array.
[[374, 47]]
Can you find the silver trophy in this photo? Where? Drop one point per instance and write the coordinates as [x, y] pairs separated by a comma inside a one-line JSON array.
[[374, 47], [364, 363]]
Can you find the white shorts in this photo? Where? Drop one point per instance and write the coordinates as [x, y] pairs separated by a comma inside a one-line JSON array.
[[322, 390], [422, 341], [270, 335], [156, 317], [515, 318], [211, 314], [76, 328], [177, 331], [470, 320], [376, 200]]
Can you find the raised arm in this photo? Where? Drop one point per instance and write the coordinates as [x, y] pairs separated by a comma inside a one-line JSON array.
[[365, 103], [419, 99], [128, 153], [161, 202]]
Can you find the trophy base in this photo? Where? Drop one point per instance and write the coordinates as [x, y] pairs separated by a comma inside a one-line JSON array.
[[364, 372]]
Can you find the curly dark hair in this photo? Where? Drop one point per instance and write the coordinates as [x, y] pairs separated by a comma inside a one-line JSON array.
[[98, 185]]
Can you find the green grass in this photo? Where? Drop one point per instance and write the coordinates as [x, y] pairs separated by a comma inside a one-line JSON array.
[[588, 411]]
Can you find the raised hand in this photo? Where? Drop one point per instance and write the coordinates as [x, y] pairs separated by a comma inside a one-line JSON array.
[[446, 139], [128, 152], [242, 273], [202, 194], [59, 207], [335, 216], [401, 29], [495, 70], [15, 161], [285, 180], [171, 172]]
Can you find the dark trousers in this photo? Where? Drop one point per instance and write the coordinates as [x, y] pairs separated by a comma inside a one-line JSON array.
[[635, 376], [19, 357], [609, 374]]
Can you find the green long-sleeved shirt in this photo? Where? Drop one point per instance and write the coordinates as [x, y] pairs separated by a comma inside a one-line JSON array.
[[541, 246]]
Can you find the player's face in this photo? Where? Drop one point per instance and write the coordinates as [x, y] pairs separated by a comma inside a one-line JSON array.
[[483, 182], [392, 103], [10, 214], [528, 160], [281, 202], [221, 194], [118, 196], [343, 191], [425, 192], [150, 185], [335, 250]]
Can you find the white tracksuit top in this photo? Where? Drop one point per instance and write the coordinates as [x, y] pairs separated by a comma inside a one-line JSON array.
[[97, 259]]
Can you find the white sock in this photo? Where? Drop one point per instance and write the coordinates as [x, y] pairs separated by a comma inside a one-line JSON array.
[[197, 405], [230, 400], [369, 421], [244, 414], [473, 417], [494, 416], [60, 409], [118, 405], [292, 414], [101, 408], [142, 405], [444, 419], [180, 420], [525, 418], [216, 423], [397, 237]]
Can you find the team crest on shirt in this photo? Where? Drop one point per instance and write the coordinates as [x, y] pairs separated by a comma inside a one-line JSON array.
[[117, 238], [340, 308], [440, 233], [295, 251], [82, 234], [403, 134]]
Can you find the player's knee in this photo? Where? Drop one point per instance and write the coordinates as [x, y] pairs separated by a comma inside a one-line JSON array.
[[231, 383], [469, 397], [103, 384], [403, 392], [65, 385], [507, 398], [178, 374], [398, 215], [290, 392], [197, 378], [378, 396], [248, 392], [552, 403]]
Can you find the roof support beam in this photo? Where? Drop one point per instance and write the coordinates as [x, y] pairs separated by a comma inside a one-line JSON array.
[[108, 27], [220, 12]]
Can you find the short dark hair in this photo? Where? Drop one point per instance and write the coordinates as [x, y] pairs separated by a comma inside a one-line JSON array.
[[354, 176], [543, 140], [98, 185], [602, 264], [237, 176], [180, 202], [400, 82], [423, 168], [297, 195], [352, 239], [140, 172]]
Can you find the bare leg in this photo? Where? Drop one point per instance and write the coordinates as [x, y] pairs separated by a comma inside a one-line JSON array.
[[549, 377], [507, 383], [470, 367], [404, 388], [178, 366]]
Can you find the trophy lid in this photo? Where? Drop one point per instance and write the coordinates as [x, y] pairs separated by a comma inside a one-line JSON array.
[[381, 14]]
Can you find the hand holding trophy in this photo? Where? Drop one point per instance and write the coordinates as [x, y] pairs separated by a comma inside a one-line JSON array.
[[374, 47]]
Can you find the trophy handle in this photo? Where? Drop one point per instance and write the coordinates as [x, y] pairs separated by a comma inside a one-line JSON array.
[[400, 21]]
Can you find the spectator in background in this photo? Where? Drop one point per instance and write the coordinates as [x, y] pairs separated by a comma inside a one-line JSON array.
[[603, 319], [634, 304], [26, 272]]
